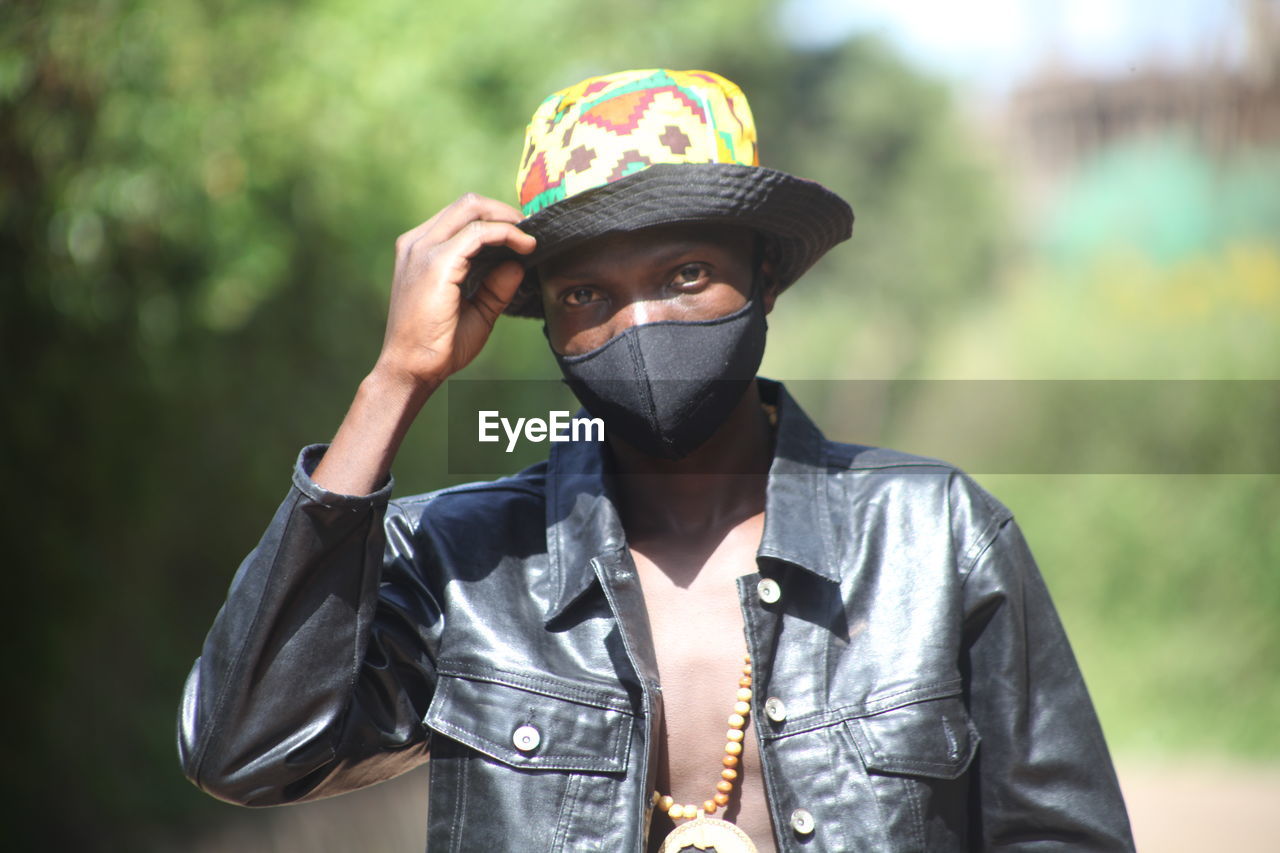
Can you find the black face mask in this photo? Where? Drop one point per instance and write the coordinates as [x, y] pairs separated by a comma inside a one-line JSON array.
[[665, 387]]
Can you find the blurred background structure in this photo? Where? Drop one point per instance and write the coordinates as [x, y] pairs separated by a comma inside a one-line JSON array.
[[198, 201]]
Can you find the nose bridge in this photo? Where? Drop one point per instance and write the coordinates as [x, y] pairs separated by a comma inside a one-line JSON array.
[[638, 312]]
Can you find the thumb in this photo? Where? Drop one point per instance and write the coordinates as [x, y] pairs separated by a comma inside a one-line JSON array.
[[498, 289]]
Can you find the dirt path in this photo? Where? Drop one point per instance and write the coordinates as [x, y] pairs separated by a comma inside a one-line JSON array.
[[1203, 807]]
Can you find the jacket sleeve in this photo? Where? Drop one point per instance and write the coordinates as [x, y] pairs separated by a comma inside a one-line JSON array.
[[319, 667], [1044, 777]]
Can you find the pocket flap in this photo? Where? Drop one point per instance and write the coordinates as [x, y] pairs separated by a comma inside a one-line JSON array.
[[588, 733], [933, 738]]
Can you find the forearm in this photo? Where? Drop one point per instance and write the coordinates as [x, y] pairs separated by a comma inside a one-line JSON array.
[[359, 459]]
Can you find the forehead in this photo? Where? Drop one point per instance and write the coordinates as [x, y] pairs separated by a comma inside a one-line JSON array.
[[654, 245]]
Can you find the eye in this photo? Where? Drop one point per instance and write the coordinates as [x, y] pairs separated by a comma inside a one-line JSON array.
[[575, 296], [691, 274]]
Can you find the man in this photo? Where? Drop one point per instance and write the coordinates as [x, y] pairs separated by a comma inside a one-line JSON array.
[[716, 631]]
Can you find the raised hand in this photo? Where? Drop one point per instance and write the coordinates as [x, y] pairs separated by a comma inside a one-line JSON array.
[[433, 331]]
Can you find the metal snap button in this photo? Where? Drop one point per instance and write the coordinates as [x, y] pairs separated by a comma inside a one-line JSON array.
[[769, 591], [775, 709], [526, 738], [802, 822]]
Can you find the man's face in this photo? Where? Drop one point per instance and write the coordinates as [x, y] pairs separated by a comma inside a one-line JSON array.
[[595, 291]]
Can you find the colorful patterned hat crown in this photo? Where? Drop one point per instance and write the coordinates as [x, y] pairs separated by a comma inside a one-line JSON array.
[[606, 128]]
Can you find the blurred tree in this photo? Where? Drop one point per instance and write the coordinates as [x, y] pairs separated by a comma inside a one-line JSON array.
[[197, 206]]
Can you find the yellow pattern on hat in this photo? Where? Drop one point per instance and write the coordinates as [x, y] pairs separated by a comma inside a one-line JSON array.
[[608, 127]]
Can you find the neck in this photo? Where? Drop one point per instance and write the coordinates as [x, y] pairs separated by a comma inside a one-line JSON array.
[[721, 482]]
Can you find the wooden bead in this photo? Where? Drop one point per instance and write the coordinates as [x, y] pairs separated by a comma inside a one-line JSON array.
[[665, 803], [709, 806], [744, 694], [724, 786], [689, 812], [737, 721], [729, 761], [733, 748], [675, 812], [744, 681], [729, 773], [741, 708], [746, 658], [734, 734], [721, 799], [746, 670]]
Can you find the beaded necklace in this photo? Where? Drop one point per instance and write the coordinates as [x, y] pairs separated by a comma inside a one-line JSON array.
[[701, 831]]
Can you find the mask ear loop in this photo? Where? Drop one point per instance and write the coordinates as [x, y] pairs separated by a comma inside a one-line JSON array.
[[759, 280], [763, 252]]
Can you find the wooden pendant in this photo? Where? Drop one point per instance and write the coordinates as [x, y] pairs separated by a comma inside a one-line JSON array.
[[706, 833]]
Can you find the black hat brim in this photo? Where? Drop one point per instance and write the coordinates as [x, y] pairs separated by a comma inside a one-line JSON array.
[[801, 220]]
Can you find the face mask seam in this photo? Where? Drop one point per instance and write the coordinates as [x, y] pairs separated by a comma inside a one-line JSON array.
[[651, 410]]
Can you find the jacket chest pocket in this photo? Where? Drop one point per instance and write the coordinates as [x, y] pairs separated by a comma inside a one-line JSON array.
[[525, 757], [916, 756]]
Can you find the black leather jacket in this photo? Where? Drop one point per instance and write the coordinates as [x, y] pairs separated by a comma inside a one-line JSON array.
[[929, 698]]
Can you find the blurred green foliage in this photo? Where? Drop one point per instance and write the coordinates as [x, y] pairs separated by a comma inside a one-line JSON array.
[[198, 202], [1120, 314], [1169, 589]]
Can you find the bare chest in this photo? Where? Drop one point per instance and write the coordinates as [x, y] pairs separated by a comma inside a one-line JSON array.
[[697, 628]]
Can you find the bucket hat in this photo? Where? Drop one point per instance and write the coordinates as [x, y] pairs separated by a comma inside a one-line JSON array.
[[635, 149]]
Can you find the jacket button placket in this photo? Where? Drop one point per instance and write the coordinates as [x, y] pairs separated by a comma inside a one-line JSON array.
[[761, 612]]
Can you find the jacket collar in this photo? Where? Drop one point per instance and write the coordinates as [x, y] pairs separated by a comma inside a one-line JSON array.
[[797, 523], [583, 523]]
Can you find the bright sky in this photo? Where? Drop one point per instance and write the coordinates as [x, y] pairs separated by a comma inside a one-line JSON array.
[[986, 43]]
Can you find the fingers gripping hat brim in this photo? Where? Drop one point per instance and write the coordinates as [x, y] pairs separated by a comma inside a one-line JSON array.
[[800, 219]]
